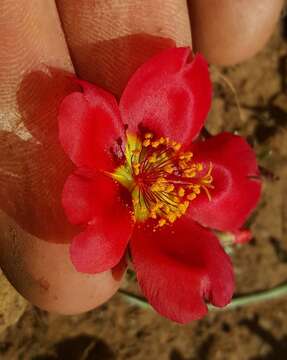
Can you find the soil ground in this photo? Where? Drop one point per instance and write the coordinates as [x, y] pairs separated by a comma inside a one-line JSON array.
[[121, 331]]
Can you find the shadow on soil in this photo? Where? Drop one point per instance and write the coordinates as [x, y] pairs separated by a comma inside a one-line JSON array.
[[278, 347], [81, 347]]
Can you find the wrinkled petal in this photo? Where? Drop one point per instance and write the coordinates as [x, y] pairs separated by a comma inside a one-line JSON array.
[[236, 192], [181, 266], [95, 199], [89, 126], [168, 95]]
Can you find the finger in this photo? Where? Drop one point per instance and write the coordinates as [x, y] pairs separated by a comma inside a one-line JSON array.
[[108, 40], [230, 31], [33, 64]]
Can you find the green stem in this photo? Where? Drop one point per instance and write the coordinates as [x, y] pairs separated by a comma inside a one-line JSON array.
[[253, 298]]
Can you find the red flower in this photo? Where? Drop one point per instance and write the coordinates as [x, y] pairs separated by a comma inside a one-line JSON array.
[[141, 183]]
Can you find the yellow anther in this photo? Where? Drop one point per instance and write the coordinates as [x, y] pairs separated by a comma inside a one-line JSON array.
[[136, 167], [181, 192], [153, 215], [176, 199], [169, 168], [152, 159], [176, 147], [183, 207], [163, 157], [196, 189], [189, 173], [169, 188], [166, 209], [171, 217], [155, 144], [207, 180], [162, 140], [191, 196], [156, 206], [155, 187], [148, 136], [146, 143], [161, 222], [199, 166], [188, 155], [183, 165]]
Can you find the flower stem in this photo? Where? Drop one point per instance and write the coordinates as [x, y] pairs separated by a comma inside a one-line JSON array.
[[243, 300]]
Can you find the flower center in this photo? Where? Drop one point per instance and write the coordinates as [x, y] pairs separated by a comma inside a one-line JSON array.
[[162, 179]]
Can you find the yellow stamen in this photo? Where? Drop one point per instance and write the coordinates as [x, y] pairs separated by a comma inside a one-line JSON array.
[[171, 217], [189, 173], [161, 222], [196, 189], [152, 159], [191, 196], [155, 144], [146, 143], [183, 165], [136, 168], [199, 167], [169, 188], [148, 136], [163, 180], [169, 168], [181, 192]]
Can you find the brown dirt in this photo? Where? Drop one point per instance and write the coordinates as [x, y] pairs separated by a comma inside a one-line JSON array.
[[118, 330]]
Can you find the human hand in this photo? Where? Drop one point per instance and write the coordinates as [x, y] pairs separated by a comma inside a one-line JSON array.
[[107, 40]]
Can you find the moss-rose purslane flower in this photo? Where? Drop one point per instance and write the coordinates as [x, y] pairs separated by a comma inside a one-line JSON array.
[[145, 182]]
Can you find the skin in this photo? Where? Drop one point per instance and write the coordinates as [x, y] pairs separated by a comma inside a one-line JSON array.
[[245, 27], [103, 41]]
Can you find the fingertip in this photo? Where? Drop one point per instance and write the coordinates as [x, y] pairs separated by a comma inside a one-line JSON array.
[[231, 31], [112, 40], [42, 272]]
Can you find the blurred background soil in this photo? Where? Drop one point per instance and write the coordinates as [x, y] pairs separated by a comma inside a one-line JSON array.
[[119, 330]]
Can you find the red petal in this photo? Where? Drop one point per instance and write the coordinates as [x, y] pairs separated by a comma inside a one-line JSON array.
[[236, 193], [88, 195], [168, 95], [96, 200], [179, 267], [89, 125], [101, 246]]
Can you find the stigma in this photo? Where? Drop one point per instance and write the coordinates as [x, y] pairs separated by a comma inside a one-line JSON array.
[[163, 180]]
